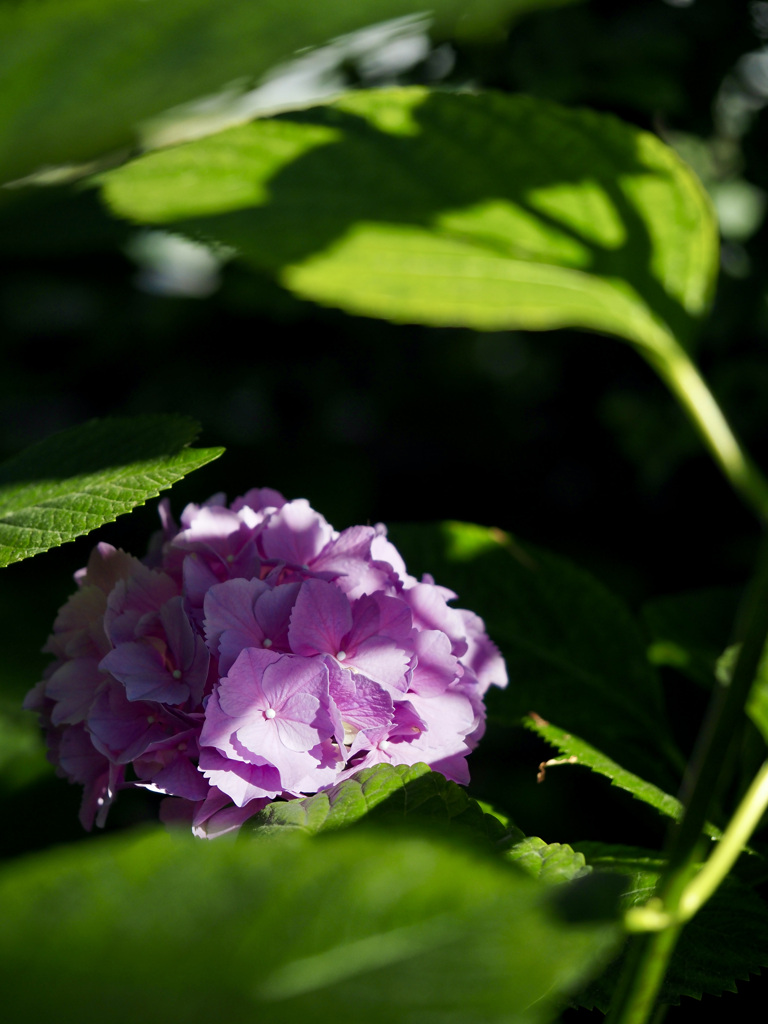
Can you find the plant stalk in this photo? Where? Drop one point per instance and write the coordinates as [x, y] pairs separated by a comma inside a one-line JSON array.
[[679, 895], [682, 377]]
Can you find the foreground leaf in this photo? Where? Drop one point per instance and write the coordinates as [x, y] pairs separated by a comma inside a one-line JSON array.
[[396, 793], [726, 941], [577, 752], [570, 645], [403, 926], [72, 482], [123, 62], [485, 210]]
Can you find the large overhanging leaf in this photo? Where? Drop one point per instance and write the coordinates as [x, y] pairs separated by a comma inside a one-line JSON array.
[[77, 75], [488, 211]]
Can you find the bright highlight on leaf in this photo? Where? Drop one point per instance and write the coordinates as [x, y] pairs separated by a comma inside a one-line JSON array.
[[75, 481], [489, 211]]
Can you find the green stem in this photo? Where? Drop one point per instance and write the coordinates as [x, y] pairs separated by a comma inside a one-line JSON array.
[[679, 896], [656, 916], [645, 969], [708, 766], [680, 374], [727, 851], [650, 953]]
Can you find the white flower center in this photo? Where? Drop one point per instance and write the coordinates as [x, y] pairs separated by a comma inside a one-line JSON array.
[[266, 642], [176, 673], [350, 732], [270, 713], [341, 655]]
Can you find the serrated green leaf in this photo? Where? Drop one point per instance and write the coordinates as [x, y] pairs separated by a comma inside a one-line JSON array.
[[570, 645], [725, 942], [405, 927], [79, 479], [689, 631], [396, 793], [577, 751], [484, 210], [550, 863], [123, 62]]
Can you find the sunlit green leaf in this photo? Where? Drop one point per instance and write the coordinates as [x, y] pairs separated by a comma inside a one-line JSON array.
[[485, 210], [79, 479], [397, 793], [551, 863], [403, 927], [571, 647]]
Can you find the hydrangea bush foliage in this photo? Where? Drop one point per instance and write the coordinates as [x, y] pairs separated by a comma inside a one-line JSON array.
[[263, 675], [257, 653]]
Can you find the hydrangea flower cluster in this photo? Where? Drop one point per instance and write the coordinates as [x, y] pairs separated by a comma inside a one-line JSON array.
[[256, 654]]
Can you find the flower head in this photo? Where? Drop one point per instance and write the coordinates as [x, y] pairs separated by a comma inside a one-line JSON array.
[[256, 654]]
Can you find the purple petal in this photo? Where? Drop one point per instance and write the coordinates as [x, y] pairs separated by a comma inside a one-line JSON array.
[[240, 693], [142, 669], [229, 608], [122, 730], [240, 781], [321, 617], [436, 667], [74, 686], [295, 534]]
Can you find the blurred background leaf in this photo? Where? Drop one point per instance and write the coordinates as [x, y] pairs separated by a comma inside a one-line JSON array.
[[79, 75]]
